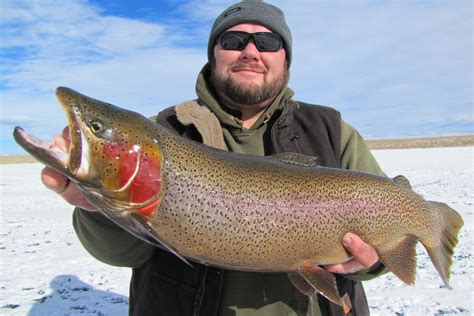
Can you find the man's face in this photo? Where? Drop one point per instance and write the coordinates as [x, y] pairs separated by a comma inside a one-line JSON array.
[[249, 77]]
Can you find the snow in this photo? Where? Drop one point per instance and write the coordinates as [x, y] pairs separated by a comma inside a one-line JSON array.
[[45, 270]]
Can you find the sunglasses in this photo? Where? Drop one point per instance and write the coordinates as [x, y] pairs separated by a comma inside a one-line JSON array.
[[237, 40]]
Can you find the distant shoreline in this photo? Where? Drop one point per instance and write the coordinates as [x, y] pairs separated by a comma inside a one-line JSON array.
[[395, 143], [422, 142]]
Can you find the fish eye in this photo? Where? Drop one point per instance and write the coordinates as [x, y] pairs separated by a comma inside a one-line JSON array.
[[97, 126]]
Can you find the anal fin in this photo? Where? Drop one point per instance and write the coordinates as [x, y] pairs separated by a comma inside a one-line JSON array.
[[311, 279], [401, 259]]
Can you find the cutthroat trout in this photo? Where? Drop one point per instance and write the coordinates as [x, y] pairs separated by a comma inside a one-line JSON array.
[[271, 214]]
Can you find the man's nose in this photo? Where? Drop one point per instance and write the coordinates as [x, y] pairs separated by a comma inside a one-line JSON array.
[[250, 52]]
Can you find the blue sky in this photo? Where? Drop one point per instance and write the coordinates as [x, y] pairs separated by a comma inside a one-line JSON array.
[[393, 68]]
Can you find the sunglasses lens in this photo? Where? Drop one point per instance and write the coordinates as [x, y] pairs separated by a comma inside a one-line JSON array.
[[264, 41], [233, 40], [268, 42]]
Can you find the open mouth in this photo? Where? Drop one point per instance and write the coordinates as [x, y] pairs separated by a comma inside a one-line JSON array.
[[65, 159], [40, 149]]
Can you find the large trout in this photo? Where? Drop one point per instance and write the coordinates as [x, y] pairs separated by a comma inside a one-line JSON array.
[[280, 213]]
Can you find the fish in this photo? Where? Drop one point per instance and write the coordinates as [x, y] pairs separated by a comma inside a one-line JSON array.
[[280, 213]]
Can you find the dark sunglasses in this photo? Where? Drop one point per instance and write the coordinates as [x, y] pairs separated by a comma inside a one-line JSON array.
[[237, 40]]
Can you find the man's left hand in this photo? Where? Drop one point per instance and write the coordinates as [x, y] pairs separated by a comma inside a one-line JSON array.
[[364, 256]]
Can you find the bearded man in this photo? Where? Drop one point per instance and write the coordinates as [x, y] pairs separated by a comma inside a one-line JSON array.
[[243, 105]]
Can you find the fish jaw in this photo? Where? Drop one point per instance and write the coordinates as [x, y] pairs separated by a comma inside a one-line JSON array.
[[42, 151], [78, 157], [74, 162]]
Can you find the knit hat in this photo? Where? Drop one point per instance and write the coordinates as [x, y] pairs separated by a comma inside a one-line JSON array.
[[252, 11]]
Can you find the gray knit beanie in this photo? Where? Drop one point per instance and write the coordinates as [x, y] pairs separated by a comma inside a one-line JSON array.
[[251, 11]]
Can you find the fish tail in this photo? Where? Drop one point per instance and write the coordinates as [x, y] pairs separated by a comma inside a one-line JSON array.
[[441, 250]]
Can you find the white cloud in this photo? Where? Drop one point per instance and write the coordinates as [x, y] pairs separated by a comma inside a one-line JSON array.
[[71, 43], [204, 9], [76, 45], [361, 56]]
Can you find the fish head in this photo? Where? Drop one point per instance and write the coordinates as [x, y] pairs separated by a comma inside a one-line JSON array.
[[113, 154]]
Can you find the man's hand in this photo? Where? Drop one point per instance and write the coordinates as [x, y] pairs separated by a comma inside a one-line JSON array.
[[67, 189], [59, 183], [364, 256]]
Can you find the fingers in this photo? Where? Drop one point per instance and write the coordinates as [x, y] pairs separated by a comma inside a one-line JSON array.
[[362, 252], [65, 134], [364, 256], [68, 190], [348, 267], [59, 183], [54, 180], [61, 142]]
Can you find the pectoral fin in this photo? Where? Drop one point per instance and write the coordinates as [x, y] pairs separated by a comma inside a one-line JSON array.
[[311, 279], [145, 227], [133, 222]]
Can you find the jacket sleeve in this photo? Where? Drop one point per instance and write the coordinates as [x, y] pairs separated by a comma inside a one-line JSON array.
[[356, 155], [108, 242]]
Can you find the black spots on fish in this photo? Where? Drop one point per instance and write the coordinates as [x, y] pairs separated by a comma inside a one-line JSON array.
[[151, 148], [113, 167]]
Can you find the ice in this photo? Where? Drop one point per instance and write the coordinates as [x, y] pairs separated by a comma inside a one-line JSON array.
[[45, 270]]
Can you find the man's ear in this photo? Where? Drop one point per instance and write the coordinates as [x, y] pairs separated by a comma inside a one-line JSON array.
[[212, 62]]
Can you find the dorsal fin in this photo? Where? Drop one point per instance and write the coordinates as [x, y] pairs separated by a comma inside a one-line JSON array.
[[401, 180], [297, 159]]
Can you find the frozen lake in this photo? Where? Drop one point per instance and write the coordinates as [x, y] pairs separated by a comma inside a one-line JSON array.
[[45, 271]]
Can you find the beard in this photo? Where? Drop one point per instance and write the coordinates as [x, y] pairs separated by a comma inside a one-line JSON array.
[[248, 93]]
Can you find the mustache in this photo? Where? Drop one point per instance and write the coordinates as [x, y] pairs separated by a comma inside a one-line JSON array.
[[252, 65]]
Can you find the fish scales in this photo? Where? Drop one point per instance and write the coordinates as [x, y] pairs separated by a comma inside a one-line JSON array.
[[273, 212], [267, 214]]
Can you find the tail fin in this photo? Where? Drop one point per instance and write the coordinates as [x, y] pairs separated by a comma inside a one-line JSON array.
[[441, 253]]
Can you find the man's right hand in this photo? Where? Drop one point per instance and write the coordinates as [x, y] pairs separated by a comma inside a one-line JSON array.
[[67, 189], [59, 183]]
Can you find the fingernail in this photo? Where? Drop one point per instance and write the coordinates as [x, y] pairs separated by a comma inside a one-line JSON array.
[[61, 190], [347, 241]]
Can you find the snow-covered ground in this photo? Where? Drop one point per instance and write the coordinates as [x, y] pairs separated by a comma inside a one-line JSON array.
[[45, 271]]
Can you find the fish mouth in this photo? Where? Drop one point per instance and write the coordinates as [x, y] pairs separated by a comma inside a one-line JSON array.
[[72, 162]]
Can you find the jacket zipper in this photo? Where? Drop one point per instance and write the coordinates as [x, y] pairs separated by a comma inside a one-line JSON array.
[[200, 293]]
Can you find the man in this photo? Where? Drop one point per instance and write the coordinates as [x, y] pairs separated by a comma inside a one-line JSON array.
[[245, 106]]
